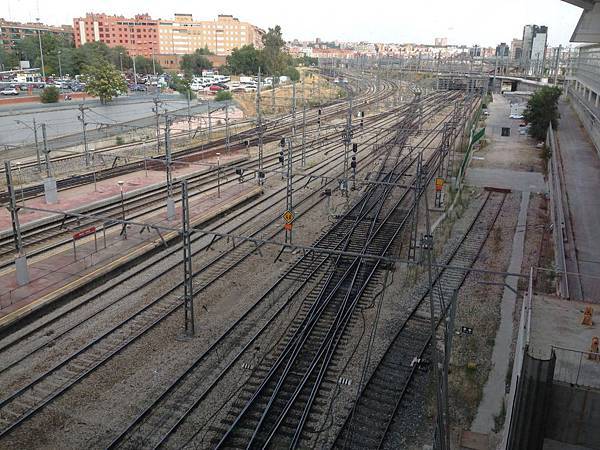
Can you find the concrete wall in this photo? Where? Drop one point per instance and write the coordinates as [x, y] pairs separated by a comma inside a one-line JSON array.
[[574, 415], [590, 121]]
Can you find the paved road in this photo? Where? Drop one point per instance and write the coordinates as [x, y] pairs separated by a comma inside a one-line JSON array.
[[61, 119], [581, 168]]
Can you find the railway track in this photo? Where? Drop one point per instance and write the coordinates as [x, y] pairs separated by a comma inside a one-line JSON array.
[[201, 183], [275, 406], [272, 128], [159, 422], [371, 421], [264, 204], [27, 401]]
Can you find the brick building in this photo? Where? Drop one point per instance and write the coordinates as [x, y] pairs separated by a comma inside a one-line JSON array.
[[139, 35]]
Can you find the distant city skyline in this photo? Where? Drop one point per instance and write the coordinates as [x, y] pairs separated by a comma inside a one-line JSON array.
[[460, 21]]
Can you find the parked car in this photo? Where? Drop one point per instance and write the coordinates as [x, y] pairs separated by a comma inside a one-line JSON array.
[[138, 88], [215, 88], [9, 91]]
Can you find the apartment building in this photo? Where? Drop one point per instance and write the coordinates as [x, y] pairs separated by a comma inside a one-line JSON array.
[[184, 35], [13, 32], [145, 36], [139, 35]]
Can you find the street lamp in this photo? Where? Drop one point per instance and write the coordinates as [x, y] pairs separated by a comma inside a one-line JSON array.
[[59, 65], [218, 175], [41, 51], [121, 183]]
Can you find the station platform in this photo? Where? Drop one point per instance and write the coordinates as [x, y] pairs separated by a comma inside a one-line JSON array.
[[59, 272], [81, 198]]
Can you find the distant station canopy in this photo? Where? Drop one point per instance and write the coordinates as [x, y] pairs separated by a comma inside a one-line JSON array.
[[588, 27]]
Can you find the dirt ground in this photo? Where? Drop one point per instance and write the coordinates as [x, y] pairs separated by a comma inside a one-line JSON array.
[[312, 89]]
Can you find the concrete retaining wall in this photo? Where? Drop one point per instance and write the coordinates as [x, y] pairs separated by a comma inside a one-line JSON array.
[[574, 415]]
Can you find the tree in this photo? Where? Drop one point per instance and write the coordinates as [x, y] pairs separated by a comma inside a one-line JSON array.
[[195, 63], [292, 73], [103, 80], [542, 110], [8, 60], [223, 95], [146, 66], [182, 85], [29, 50], [244, 60], [274, 59], [49, 95]]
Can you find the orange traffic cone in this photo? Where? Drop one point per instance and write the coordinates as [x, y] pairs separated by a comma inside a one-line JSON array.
[[594, 351], [587, 316]]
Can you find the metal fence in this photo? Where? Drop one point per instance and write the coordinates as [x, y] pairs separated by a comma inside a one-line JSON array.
[[577, 367]]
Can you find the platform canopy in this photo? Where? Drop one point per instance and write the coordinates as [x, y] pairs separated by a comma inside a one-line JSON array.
[[588, 27]]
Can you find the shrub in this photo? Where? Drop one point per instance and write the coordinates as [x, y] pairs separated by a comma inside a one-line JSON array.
[[223, 95], [49, 95]]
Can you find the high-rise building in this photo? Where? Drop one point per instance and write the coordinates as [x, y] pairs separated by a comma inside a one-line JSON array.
[[534, 49], [503, 50], [138, 35], [441, 42], [13, 32], [184, 35], [516, 49]]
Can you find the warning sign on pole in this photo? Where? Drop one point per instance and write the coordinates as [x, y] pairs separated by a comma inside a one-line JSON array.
[[288, 216], [287, 226], [439, 184]]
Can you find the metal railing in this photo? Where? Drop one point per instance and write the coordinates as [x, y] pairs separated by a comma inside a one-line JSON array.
[[557, 213], [577, 367]]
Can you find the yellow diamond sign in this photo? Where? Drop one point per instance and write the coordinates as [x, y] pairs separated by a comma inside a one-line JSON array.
[[288, 216]]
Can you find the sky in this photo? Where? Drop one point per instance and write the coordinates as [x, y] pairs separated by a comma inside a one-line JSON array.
[[468, 22]]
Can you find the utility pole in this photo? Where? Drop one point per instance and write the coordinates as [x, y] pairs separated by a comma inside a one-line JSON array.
[[303, 160], [188, 298], [293, 109], [21, 259], [260, 174], [37, 146], [46, 152], [156, 111], [170, 200], [273, 93], [189, 114], [227, 127], [209, 121], [81, 117], [289, 190], [441, 432], [347, 141]]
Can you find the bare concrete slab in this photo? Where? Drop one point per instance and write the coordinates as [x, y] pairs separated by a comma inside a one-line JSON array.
[[557, 323], [507, 179], [550, 444]]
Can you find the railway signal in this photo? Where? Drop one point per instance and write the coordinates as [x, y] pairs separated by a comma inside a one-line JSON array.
[[353, 164], [282, 155]]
